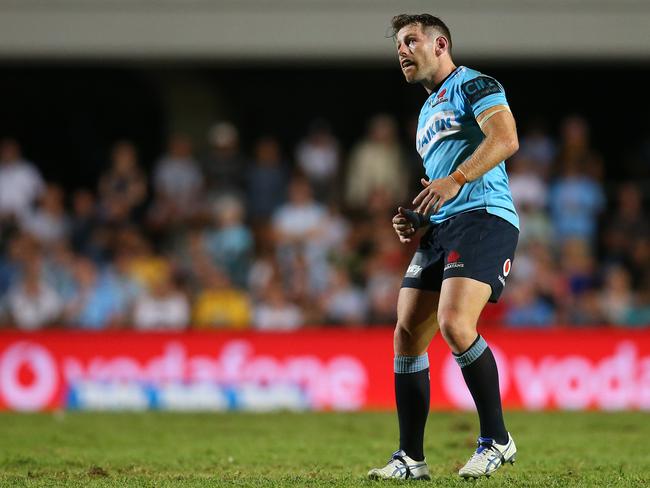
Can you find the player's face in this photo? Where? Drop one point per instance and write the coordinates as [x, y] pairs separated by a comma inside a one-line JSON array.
[[416, 52]]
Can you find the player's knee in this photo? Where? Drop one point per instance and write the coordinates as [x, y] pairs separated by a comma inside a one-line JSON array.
[[455, 328], [404, 340], [449, 321]]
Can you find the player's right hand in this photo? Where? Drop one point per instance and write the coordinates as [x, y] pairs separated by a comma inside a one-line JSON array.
[[403, 226]]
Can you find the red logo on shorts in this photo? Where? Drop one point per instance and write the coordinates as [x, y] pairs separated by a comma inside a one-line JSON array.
[[452, 257], [506, 267]]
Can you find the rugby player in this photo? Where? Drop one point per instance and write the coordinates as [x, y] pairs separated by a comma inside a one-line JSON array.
[[467, 231]]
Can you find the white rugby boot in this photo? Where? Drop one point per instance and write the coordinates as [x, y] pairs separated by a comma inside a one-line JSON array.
[[489, 457], [401, 467]]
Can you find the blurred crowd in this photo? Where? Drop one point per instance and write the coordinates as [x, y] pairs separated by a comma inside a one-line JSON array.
[[280, 238]]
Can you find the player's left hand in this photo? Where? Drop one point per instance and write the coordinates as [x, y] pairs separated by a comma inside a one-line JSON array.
[[435, 194]]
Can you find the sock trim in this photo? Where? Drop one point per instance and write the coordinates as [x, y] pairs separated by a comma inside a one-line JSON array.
[[472, 354], [411, 364]]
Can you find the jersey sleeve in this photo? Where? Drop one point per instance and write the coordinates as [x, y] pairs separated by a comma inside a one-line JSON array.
[[483, 92]]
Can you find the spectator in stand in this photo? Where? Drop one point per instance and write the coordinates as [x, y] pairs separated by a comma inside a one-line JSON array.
[[189, 257], [530, 194], [412, 157], [537, 267], [276, 312], [20, 182], [575, 149], [178, 184], [537, 147], [32, 303], [529, 191], [230, 244], [535, 227], [121, 270], [578, 267], [141, 263], [267, 180], [640, 263], [616, 297], [625, 227], [344, 303], [318, 157], [264, 270], [19, 250], [575, 200], [526, 308], [311, 263], [379, 206], [58, 270], [377, 162], [298, 221], [48, 223], [87, 236], [389, 251], [123, 188], [298, 227], [224, 166], [586, 310], [98, 301], [639, 312], [163, 307], [295, 276], [383, 281], [382, 265], [336, 230], [219, 304]]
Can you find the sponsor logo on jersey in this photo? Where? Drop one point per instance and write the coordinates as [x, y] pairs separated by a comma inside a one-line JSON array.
[[439, 125], [480, 87]]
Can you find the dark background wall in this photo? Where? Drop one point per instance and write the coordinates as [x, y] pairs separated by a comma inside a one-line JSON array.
[[67, 116]]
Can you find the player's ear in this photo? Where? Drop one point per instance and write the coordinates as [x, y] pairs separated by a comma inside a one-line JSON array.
[[441, 45]]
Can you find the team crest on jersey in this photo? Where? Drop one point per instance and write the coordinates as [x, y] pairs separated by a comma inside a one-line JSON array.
[[440, 98], [453, 261]]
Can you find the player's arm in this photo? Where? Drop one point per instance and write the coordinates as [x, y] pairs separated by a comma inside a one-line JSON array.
[[500, 142], [498, 125]]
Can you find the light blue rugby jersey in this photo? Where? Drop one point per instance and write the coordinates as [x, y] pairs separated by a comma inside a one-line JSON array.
[[448, 134]]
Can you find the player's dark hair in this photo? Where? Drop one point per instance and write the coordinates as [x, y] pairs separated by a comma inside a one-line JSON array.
[[425, 20]]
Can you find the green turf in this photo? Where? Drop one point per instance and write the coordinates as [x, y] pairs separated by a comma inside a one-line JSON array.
[[309, 450]]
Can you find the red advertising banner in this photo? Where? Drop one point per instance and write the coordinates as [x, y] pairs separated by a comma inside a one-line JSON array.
[[322, 369]]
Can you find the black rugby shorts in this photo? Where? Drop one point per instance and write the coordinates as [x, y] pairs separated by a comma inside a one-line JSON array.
[[475, 245]]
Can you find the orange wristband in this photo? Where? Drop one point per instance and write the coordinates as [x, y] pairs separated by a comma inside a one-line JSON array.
[[459, 177]]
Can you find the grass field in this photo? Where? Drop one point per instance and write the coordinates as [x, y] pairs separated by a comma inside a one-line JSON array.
[[309, 450]]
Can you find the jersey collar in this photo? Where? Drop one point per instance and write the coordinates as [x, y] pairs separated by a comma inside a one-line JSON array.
[[439, 85]]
